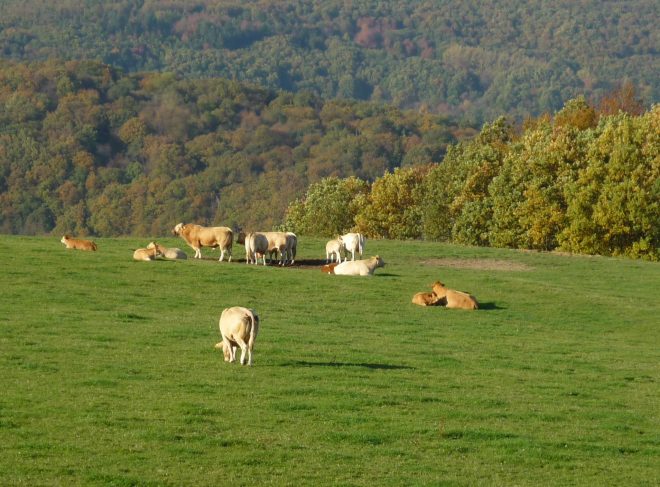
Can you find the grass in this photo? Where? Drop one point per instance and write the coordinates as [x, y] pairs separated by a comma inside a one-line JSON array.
[[109, 375]]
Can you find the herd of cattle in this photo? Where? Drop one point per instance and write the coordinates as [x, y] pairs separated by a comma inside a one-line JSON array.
[[238, 325]]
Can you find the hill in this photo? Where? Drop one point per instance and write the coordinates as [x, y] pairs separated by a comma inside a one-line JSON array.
[[87, 149], [477, 60]]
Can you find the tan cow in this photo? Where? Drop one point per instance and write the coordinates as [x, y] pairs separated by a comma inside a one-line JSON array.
[[146, 254], [364, 267], [428, 299], [238, 328], [78, 244], [168, 253], [278, 243], [198, 236], [455, 299]]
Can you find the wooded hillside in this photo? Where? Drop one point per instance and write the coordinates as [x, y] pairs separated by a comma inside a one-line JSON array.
[[478, 60], [87, 150]]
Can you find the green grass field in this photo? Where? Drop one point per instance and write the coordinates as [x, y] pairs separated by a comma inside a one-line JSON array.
[[109, 375]]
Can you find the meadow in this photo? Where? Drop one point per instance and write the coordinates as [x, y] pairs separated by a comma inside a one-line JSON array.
[[108, 373]]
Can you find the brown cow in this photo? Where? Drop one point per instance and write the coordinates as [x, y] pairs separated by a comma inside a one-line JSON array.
[[197, 237], [74, 243], [455, 299]]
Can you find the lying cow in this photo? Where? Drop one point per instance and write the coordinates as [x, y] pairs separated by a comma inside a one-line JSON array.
[[428, 299], [146, 254], [359, 267], [256, 245], [78, 244], [329, 268], [353, 242], [334, 250], [198, 236], [455, 299], [168, 253], [238, 328]]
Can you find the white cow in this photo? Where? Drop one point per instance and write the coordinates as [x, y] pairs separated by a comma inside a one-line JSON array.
[[353, 242], [238, 328], [364, 267], [334, 250], [256, 245]]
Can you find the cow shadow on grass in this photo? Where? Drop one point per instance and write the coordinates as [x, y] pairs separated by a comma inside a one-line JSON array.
[[489, 306], [374, 366]]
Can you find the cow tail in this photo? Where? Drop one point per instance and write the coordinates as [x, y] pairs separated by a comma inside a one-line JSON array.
[[253, 332]]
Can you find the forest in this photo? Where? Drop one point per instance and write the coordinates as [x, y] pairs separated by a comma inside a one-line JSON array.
[[472, 60], [89, 150]]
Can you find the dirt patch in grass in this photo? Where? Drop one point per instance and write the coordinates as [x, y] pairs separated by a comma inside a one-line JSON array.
[[479, 264]]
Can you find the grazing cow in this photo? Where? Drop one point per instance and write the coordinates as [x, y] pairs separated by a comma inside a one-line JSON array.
[[333, 251], [146, 254], [168, 253], [428, 299], [238, 328], [197, 237], [291, 246], [78, 244], [455, 299], [359, 267], [353, 242], [256, 245]]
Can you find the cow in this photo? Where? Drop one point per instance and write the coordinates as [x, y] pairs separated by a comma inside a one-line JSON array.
[[78, 244], [329, 268], [364, 267], [198, 236], [238, 328], [256, 245], [291, 246], [146, 254], [455, 299], [168, 253], [278, 243], [353, 242], [428, 299], [334, 250]]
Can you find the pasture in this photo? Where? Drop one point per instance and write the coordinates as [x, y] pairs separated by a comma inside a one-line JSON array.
[[109, 374]]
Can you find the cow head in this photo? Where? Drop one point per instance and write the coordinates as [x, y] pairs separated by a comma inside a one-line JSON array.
[[177, 229], [439, 289]]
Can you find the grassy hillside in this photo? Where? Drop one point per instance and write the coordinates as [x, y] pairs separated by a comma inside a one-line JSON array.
[[109, 375]]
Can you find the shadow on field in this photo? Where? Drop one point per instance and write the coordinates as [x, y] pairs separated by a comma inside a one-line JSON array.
[[305, 363], [489, 306]]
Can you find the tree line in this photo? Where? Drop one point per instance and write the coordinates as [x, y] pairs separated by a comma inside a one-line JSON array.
[[583, 181], [475, 60]]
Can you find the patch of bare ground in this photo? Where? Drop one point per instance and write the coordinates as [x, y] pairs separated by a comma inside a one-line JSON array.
[[479, 264]]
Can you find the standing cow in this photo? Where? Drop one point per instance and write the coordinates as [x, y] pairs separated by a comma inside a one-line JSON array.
[[353, 242], [197, 237], [238, 328]]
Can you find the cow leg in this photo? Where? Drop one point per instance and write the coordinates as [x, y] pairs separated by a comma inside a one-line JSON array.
[[222, 255], [244, 347], [227, 346]]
